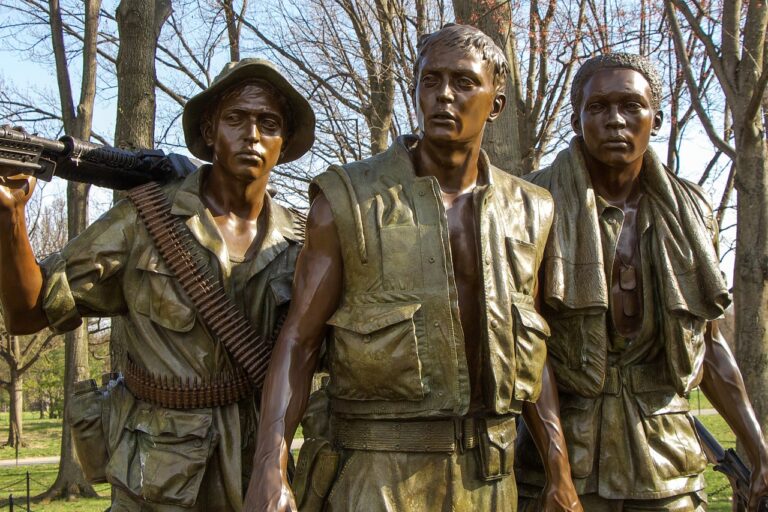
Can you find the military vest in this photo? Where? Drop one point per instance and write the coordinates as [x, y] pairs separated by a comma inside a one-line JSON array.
[[396, 348]]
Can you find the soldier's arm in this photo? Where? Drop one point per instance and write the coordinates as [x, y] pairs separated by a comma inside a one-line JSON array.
[[723, 384], [316, 292], [21, 280], [543, 421]]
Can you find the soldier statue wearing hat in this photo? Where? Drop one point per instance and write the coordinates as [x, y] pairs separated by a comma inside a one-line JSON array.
[[197, 456]]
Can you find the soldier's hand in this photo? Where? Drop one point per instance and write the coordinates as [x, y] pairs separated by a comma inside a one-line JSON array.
[[270, 493], [758, 490], [15, 188], [559, 498]]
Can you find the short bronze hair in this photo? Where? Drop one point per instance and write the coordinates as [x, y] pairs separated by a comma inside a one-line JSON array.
[[466, 38], [631, 61]]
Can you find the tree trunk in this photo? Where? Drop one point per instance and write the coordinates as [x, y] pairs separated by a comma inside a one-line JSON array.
[[751, 270], [15, 393], [502, 137], [139, 23]]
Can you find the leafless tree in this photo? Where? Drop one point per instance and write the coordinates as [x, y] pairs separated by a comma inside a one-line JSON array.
[[733, 34]]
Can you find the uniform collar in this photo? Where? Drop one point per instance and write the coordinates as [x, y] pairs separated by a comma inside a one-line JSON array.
[[281, 226], [401, 152]]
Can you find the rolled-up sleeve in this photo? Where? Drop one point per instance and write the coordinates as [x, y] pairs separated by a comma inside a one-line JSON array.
[[85, 277]]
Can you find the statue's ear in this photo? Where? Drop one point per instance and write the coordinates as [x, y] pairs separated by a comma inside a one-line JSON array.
[[207, 130], [576, 123], [499, 102], [658, 120]]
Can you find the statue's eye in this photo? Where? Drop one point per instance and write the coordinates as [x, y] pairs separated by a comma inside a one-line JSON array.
[[595, 108], [271, 124], [466, 82]]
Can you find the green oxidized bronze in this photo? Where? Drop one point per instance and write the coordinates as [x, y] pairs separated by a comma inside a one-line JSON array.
[[397, 304], [631, 288], [180, 431]]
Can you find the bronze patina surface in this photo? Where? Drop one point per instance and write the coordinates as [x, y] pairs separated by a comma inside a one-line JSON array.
[[632, 288], [422, 260], [178, 458]]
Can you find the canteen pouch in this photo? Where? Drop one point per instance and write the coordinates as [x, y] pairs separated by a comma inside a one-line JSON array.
[[315, 473], [496, 447], [88, 416]]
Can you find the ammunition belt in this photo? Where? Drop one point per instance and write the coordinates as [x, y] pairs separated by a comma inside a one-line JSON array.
[[223, 319], [178, 393]]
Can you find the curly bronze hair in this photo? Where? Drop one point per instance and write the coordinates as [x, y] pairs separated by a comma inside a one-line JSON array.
[[613, 61]]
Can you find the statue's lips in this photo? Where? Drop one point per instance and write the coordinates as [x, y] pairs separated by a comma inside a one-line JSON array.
[[251, 156], [443, 117], [616, 143]]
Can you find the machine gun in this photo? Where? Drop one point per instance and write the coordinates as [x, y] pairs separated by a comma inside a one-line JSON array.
[[730, 464], [78, 160]]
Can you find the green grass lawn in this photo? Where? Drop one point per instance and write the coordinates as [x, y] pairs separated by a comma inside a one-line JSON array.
[[43, 439], [13, 480]]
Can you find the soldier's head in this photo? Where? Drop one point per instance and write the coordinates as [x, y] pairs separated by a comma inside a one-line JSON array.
[[250, 119], [460, 75], [616, 99]]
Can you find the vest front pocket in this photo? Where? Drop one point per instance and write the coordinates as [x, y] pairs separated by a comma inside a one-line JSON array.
[[374, 353]]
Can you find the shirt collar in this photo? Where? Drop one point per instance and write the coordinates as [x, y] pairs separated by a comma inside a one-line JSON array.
[[282, 225], [401, 151]]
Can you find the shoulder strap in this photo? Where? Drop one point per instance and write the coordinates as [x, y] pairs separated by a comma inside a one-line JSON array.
[[221, 317]]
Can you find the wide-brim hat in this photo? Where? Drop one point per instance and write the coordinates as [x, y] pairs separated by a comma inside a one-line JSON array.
[[302, 119]]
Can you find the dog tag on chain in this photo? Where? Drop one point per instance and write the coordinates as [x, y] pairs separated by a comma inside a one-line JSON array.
[[627, 278], [630, 304]]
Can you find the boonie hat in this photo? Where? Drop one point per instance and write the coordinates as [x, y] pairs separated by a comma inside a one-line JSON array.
[[302, 120]]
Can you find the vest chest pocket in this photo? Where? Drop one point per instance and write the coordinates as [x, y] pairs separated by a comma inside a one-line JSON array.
[[160, 296], [522, 263], [374, 353], [401, 257]]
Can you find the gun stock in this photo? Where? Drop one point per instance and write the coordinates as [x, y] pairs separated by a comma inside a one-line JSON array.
[[77, 160], [730, 464]]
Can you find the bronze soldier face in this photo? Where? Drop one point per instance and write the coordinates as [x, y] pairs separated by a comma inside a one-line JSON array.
[[455, 95], [616, 118], [247, 133]]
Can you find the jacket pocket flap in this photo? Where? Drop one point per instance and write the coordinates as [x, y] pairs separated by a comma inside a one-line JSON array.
[[502, 432], [281, 288], [576, 402], [151, 261], [531, 319], [655, 403], [175, 423], [370, 318]]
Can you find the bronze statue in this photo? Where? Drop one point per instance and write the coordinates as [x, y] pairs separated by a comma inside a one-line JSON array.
[[196, 455], [423, 262], [631, 288]]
